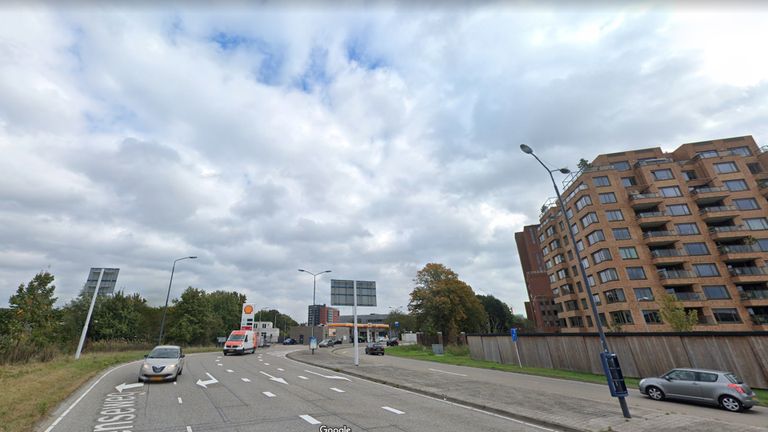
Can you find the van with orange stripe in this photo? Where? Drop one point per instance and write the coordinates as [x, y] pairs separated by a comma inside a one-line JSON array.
[[241, 342]]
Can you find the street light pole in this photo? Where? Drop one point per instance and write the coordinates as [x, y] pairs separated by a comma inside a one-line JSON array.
[[526, 149], [167, 296], [314, 288]]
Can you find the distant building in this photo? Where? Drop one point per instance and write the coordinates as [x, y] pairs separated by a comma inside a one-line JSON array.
[[372, 318], [108, 281], [267, 333], [540, 307], [322, 314]]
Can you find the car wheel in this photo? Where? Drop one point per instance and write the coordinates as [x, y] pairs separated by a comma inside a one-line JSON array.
[[655, 393], [180, 371], [730, 403]]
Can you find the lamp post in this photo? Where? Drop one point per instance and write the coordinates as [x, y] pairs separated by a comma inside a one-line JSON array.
[[314, 288], [167, 296], [526, 149]]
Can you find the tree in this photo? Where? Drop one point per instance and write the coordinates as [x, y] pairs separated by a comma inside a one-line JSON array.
[[191, 319], [442, 302], [119, 317], [226, 308], [673, 313], [32, 314], [584, 164], [406, 321], [499, 314]]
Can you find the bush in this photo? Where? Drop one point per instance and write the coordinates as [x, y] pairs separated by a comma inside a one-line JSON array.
[[457, 350]]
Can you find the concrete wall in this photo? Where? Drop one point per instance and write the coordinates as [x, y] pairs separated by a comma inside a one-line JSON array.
[[641, 355]]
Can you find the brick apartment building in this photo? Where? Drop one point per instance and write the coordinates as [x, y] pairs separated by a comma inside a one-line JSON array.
[[541, 307], [322, 314], [691, 223]]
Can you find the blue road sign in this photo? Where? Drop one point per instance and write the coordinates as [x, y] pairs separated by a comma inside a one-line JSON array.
[[513, 333], [397, 323]]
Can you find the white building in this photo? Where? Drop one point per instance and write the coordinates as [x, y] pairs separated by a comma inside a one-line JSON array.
[[267, 333]]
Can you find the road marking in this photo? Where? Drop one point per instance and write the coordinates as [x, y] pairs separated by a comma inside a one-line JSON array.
[[189, 428], [245, 379], [174, 383], [268, 394], [124, 386], [309, 419], [280, 380], [281, 369], [204, 384], [261, 360], [266, 364], [229, 371], [446, 372], [337, 390], [328, 376], [303, 377], [179, 400], [219, 364], [393, 410]]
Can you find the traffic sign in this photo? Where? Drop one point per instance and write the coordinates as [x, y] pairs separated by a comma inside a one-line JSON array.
[[513, 333]]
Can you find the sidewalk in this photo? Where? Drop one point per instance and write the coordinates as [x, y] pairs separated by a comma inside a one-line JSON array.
[[559, 411]]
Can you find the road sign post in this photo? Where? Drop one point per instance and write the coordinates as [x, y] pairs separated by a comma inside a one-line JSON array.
[[513, 333], [354, 322], [348, 293]]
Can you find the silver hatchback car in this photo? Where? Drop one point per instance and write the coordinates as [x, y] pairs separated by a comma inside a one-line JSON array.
[[701, 385], [163, 363]]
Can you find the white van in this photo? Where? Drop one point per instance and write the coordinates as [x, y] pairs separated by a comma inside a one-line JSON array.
[[241, 342]]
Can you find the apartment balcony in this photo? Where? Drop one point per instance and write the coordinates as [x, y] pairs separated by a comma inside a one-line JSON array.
[[708, 195], [763, 186], [719, 213], [729, 232], [659, 237], [644, 201], [668, 256], [652, 219], [758, 294], [676, 274], [687, 296], [739, 252], [748, 274], [759, 319]]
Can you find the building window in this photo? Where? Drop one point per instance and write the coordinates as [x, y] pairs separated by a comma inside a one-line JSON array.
[[741, 151], [621, 165], [562, 273], [755, 168], [608, 275], [550, 230], [628, 252], [601, 255], [670, 192], [706, 270], [696, 248], [601, 181], [746, 204], [614, 296], [595, 236], [589, 219], [726, 316], [664, 174], [584, 304], [726, 167], [652, 317], [579, 287], [644, 294], [591, 280], [614, 215], [635, 273], [687, 229], [621, 234], [596, 298], [576, 321], [569, 213], [621, 317], [585, 263], [628, 181], [579, 245], [545, 250], [689, 175], [607, 198], [575, 229], [736, 185], [559, 258], [762, 244], [756, 223], [583, 202], [678, 210], [707, 154], [552, 278], [715, 292]]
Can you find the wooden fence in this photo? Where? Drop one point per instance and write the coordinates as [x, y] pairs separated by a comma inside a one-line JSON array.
[[640, 354]]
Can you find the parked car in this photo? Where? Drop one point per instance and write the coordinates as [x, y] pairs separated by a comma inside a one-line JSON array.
[[375, 348], [289, 341], [701, 385], [163, 363], [337, 341], [325, 343], [393, 342]]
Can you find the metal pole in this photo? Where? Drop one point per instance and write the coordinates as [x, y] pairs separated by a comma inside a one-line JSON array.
[[165, 309], [517, 351], [88, 318], [314, 288], [354, 321], [593, 306]]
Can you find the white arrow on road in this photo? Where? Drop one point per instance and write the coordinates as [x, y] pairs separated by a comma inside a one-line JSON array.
[[124, 386], [328, 376], [280, 380], [205, 384]]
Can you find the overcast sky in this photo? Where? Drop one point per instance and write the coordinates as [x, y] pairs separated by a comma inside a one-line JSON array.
[[367, 141]]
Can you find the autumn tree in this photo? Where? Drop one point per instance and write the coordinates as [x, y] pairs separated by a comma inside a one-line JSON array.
[[673, 313], [442, 302], [32, 317]]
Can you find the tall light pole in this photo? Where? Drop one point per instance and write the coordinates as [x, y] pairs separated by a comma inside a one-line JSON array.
[[314, 288], [608, 375], [167, 296]]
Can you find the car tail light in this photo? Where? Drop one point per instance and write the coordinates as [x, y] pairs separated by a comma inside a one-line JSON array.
[[737, 388]]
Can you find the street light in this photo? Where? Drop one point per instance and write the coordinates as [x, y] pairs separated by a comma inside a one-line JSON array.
[[167, 296], [526, 149], [314, 287]]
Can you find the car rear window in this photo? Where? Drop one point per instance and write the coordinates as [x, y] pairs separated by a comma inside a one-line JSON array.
[[734, 378], [706, 377]]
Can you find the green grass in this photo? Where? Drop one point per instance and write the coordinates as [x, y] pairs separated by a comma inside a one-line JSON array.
[[460, 356], [32, 390]]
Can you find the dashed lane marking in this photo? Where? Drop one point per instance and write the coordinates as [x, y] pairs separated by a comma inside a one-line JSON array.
[[281, 369], [179, 400], [189, 428], [393, 410], [309, 419], [303, 377], [337, 390], [266, 364], [229, 371], [268, 394], [245, 379]]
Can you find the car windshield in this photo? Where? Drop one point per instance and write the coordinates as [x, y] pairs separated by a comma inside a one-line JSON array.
[[236, 337], [164, 353], [734, 378]]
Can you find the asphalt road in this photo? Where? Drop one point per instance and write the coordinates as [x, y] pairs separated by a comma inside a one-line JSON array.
[[260, 392], [757, 416]]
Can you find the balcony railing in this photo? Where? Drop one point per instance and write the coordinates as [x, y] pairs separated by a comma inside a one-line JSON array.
[[650, 234], [760, 319], [675, 274], [748, 271], [728, 228], [635, 197], [705, 320], [754, 294], [702, 190], [717, 209], [738, 249], [651, 214], [687, 296], [653, 161], [663, 253]]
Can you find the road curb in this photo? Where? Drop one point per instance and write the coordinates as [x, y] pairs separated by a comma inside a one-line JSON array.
[[516, 416]]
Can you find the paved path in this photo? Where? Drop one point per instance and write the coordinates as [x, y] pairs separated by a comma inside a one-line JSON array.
[[569, 404]]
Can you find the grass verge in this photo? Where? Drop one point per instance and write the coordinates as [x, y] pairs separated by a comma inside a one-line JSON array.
[[31, 390], [460, 356]]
